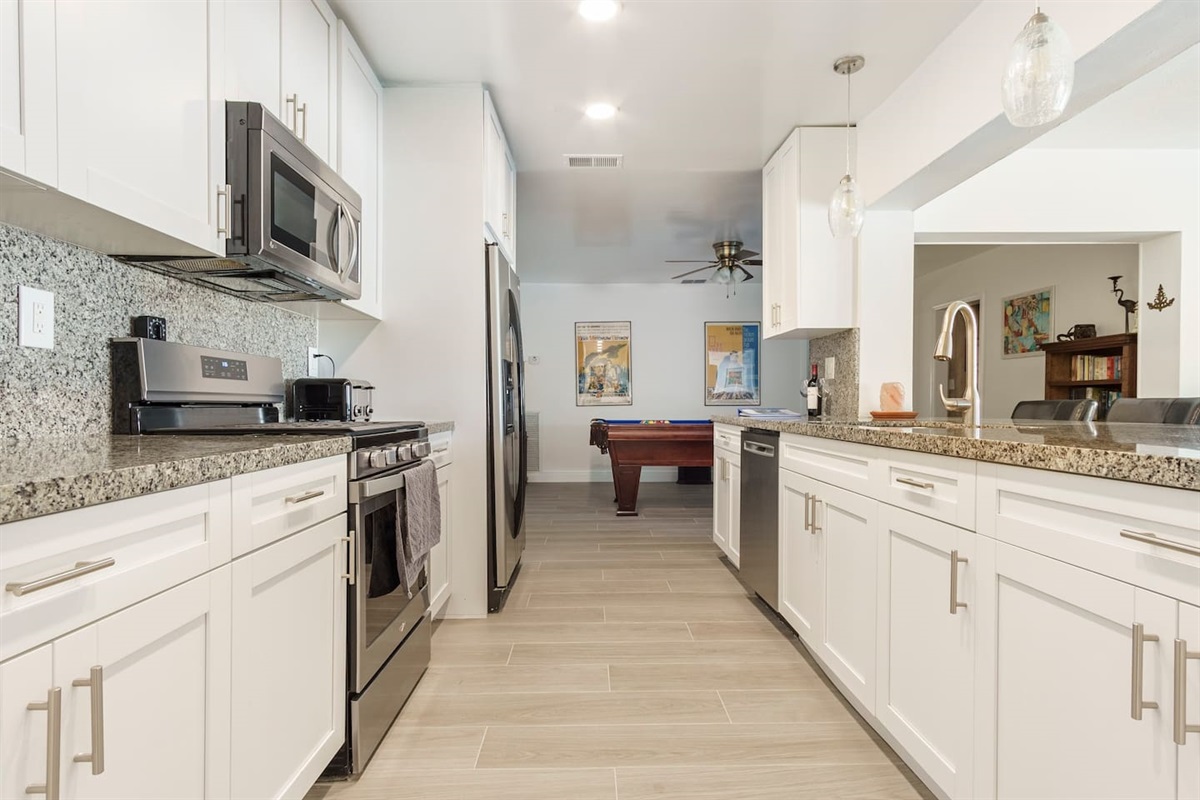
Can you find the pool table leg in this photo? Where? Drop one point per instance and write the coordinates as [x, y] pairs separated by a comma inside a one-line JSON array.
[[628, 480]]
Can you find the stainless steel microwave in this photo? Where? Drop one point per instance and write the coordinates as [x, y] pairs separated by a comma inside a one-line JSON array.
[[294, 226]]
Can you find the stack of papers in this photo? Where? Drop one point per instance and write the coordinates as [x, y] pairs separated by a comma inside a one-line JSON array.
[[770, 413]]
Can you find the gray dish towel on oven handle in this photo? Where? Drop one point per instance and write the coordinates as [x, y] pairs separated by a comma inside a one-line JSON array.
[[419, 522]]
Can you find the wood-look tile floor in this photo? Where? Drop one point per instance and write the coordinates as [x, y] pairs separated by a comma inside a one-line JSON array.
[[629, 663]]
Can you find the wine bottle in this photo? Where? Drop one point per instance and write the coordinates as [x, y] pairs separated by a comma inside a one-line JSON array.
[[813, 393]]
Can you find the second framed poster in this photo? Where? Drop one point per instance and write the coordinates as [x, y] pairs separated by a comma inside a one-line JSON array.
[[731, 364], [602, 364]]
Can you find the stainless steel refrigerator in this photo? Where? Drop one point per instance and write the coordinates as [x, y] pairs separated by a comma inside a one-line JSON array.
[[508, 440]]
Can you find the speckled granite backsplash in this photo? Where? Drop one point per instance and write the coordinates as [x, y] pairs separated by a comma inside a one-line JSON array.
[[65, 391], [844, 387]]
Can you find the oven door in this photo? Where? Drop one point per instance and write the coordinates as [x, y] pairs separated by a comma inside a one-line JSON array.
[[378, 624]]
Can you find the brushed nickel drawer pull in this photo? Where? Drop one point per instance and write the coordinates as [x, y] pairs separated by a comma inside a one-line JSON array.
[[53, 709], [95, 681], [1154, 539], [1137, 704], [955, 560], [1182, 656], [917, 484], [80, 569], [301, 498]]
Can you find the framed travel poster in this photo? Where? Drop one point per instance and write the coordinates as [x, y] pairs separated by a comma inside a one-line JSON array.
[[731, 364], [1028, 321], [602, 361]]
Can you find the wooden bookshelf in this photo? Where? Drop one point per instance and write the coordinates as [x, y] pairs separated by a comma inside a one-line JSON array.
[[1059, 357]]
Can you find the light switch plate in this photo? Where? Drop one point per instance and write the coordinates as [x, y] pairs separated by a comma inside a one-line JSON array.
[[35, 318], [829, 364]]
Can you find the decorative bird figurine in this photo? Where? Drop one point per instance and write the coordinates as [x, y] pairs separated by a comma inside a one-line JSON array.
[[1130, 306]]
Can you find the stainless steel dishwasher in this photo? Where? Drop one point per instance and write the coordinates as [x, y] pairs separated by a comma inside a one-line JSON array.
[[759, 566]]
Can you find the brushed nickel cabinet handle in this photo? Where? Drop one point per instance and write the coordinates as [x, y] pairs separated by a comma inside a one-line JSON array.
[[302, 498], [302, 111], [95, 681], [290, 100], [1137, 704], [80, 569], [815, 527], [224, 211], [917, 484], [351, 573], [1157, 541], [1182, 656], [955, 560], [807, 512], [53, 709]]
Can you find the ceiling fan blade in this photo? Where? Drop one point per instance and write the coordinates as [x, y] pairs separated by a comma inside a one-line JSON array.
[[745, 272], [744, 254], [692, 261], [753, 262], [693, 272]]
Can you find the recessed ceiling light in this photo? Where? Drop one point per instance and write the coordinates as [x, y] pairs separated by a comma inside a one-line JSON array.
[[599, 10], [601, 111]]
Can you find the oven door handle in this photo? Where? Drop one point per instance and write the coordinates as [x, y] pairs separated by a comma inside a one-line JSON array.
[[373, 487]]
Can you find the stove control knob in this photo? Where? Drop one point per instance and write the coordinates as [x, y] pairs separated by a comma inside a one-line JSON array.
[[369, 412], [392, 454], [421, 449], [378, 458], [405, 452]]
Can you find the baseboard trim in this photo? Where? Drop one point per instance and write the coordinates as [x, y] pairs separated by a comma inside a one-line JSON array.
[[649, 475]]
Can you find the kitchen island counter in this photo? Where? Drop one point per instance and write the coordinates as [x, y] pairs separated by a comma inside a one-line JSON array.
[[1162, 455], [50, 474]]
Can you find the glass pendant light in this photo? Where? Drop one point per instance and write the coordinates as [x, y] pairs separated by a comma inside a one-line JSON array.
[[1039, 75], [846, 207]]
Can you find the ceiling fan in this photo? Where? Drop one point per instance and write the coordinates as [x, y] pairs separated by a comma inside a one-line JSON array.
[[731, 258]]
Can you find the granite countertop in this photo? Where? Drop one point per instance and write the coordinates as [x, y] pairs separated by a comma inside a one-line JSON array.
[[1163, 455], [48, 475], [439, 427]]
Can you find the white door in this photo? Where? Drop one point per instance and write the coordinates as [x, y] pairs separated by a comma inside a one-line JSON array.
[[141, 111], [1054, 706], [28, 117], [439, 556], [735, 511], [721, 500], [360, 107], [1189, 752], [926, 652], [846, 527], [801, 571], [23, 731], [308, 54], [162, 673], [252, 30], [289, 662]]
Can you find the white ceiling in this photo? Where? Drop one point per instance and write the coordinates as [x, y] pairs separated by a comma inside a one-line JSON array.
[[929, 258], [706, 90], [1160, 110]]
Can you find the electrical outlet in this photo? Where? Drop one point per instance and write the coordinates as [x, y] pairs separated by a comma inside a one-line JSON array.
[[829, 365], [35, 316], [314, 363]]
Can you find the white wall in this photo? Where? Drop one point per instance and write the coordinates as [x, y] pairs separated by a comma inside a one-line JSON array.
[[667, 369], [1081, 294], [885, 282]]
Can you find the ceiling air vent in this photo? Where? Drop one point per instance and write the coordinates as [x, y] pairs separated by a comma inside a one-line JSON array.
[[594, 161], [694, 280]]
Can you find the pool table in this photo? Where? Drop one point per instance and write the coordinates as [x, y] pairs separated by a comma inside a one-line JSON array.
[[633, 444]]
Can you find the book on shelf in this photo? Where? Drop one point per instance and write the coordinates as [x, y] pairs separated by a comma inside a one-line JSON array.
[[1096, 368], [1103, 397]]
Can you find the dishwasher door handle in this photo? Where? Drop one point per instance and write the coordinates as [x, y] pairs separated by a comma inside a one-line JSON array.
[[759, 449]]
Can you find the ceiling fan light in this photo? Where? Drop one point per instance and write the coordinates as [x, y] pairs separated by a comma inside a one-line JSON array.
[[846, 209], [1039, 75], [723, 275]]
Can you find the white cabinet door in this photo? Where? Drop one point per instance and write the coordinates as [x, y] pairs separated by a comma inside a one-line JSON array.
[[289, 662], [308, 54], [1053, 684], [28, 116], [494, 165], [141, 111], [1189, 752], [734, 484], [23, 741], [801, 570], [926, 651], [846, 526], [721, 500], [163, 680], [252, 52], [360, 114], [509, 219], [774, 255], [439, 556]]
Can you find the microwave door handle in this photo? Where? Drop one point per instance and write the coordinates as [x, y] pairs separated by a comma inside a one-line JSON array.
[[335, 233], [354, 236]]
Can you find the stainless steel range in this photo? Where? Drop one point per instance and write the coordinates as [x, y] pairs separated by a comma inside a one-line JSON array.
[[167, 388]]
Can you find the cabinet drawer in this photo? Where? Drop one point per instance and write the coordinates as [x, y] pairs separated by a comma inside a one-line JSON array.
[[1128, 531], [274, 503], [154, 542], [727, 437], [936, 486], [843, 464], [442, 453]]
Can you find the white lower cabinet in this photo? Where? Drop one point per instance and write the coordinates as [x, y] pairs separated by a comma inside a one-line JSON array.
[[26, 679], [926, 643], [727, 506], [439, 556], [734, 483], [800, 566], [289, 662]]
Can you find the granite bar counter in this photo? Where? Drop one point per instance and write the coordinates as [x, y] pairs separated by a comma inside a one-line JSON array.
[[48, 475], [1162, 455]]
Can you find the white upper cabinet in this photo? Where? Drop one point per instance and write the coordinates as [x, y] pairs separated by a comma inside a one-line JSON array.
[[360, 156], [252, 52], [141, 116], [308, 58], [808, 275], [500, 184], [28, 116]]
